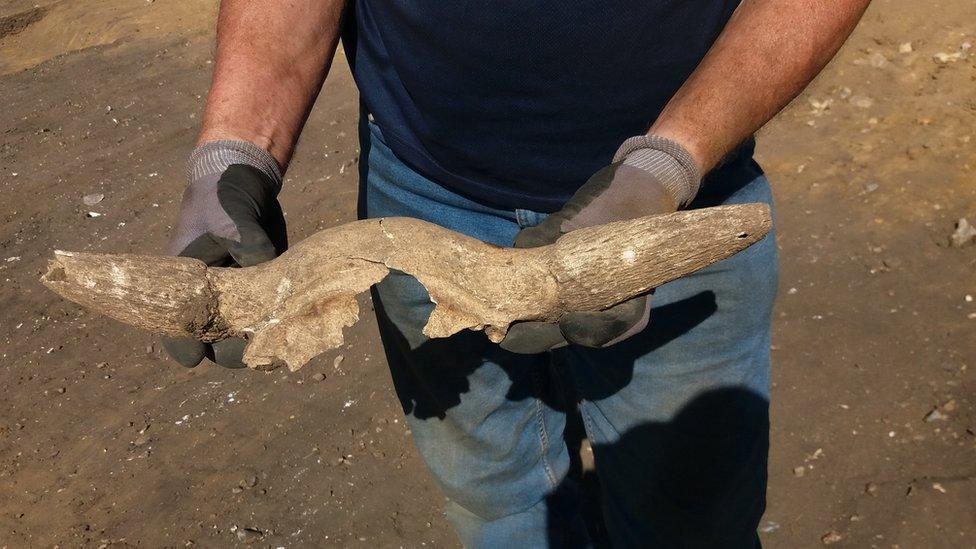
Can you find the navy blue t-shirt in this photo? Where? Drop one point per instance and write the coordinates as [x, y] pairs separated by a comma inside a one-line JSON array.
[[517, 102]]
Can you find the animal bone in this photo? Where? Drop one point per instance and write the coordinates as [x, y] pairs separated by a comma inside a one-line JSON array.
[[296, 306]]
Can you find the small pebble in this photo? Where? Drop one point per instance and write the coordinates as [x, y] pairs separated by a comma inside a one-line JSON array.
[[862, 102], [878, 60], [831, 538], [935, 415], [318, 376], [943, 58], [964, 233], [92, 199], [249, 535]]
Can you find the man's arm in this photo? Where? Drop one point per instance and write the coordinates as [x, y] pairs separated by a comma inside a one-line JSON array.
[[272, 58], [768, 52]]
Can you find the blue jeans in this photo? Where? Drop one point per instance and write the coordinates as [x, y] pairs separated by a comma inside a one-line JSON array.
[[677, 415]]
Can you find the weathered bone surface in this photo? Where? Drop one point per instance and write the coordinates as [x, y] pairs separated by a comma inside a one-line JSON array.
[[296, 306]]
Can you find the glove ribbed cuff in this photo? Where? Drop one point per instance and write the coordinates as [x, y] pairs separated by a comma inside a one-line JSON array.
[[666, 159], [214, 157]]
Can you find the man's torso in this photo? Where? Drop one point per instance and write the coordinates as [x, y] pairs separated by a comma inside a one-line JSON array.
[[516, 103]]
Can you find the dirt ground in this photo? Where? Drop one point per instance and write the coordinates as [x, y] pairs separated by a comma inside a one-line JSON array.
[[106, 443]]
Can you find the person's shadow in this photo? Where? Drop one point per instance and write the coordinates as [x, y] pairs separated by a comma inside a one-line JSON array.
[[703, 475], [702, 482]]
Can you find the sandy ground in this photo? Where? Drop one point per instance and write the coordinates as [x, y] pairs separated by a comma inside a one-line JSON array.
[[106, 443]]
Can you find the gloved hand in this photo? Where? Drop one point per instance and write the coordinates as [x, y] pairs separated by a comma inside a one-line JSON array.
[[649, 175], [230, 216]]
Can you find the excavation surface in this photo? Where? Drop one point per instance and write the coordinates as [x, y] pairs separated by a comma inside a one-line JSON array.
[[105, 442]]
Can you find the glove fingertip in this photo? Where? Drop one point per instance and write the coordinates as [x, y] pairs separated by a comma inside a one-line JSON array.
[[252, 250], [543, 234], [584, 329], [187, 352], [604, 328], [229, 353], [527, 239], [249, 257], [529, 338]]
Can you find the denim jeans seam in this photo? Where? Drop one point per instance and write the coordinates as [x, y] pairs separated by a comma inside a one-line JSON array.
[[587, 423], [543, 436], [544, 439]]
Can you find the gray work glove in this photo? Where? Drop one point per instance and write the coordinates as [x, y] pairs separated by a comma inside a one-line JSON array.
[[230, 216], [649, 175]]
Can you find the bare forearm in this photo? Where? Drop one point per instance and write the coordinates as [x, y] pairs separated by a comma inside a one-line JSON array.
[[272, 58], [769, 51]]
